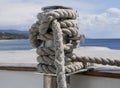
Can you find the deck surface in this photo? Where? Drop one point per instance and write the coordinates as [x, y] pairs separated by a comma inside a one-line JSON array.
[[26, 60]]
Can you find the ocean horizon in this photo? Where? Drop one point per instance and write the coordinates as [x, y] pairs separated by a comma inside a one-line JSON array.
[[24, 44], [109, 43]]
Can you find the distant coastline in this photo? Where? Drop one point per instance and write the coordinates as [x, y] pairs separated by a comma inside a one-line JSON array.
[[24, 44], [13, 34]]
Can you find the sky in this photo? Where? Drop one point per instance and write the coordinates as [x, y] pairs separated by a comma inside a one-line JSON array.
[[97, 18]]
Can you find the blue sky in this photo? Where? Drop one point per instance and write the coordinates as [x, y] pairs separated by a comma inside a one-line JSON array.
[[97, 18]]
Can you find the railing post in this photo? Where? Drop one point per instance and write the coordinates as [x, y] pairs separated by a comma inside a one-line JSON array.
[[50, 81]]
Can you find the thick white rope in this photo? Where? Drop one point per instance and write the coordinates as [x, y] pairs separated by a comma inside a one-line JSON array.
[[62, 29], [59, 55], [59, 25]]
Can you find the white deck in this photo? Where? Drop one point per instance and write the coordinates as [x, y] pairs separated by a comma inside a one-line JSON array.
[[18, 79], [22, 79], [94, 82]]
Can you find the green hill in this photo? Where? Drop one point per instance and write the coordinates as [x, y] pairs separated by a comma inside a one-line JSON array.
[[5, 35]]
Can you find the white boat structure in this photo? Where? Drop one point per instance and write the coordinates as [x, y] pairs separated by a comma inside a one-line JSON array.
[[27, 77], [21, 72]]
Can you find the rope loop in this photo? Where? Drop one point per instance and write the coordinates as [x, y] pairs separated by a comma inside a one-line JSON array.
[[55, 35]]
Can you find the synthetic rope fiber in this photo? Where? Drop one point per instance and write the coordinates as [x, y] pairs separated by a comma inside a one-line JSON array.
[[55, 35]]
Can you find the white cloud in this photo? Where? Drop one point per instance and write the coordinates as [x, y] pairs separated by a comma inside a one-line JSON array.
[[106, 23], [22, 13], [18, 13], [93, 24], [114, 10]]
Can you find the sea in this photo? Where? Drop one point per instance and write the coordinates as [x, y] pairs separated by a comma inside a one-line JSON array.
[[24, 44]]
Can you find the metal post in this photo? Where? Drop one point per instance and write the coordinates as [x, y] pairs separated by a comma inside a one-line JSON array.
[[50, 81]]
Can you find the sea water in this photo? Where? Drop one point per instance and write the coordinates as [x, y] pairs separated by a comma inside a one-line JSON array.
[[24, 44], [109, 43], [18, 44]]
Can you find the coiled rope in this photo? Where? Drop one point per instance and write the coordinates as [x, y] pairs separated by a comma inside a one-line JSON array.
[[55, 35]]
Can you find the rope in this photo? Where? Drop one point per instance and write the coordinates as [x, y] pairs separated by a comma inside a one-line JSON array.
[[60, 26], [50, 69], [55, 35], [59, 55]]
